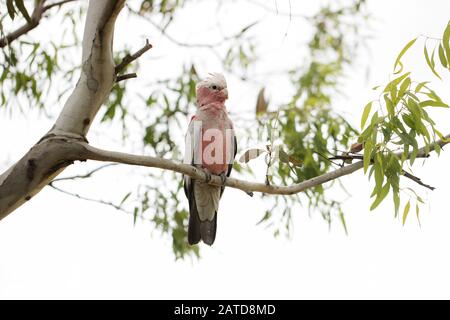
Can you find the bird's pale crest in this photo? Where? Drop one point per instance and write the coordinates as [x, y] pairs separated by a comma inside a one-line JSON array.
[[214, 79]]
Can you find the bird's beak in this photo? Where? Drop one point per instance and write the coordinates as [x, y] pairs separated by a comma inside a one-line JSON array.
[[225, 92]]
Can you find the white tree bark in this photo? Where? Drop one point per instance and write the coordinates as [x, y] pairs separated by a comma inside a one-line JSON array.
[[97, 75], [52, 154]]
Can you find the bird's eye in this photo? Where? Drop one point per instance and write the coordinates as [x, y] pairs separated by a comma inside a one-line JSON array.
[[214, 87]]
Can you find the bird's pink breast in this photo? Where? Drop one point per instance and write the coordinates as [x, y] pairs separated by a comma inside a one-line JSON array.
[[218, 164], [215, 142]]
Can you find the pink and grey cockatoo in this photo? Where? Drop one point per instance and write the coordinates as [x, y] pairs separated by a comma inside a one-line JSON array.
[[211, 146]]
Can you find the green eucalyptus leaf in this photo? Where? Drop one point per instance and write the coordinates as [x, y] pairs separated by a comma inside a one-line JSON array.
[[20, 5], [396, 202], [389, 105], [395, 82], [342, 219], [446, 40], [379, 174], [420, 86], [403, 87], [367, 154], [433, 103], [365, 114], [442, 56], [125, 198], [10, 8], [381, 195], [397, 61], [430, 62], [405, 212], [135, 214], [417, 214]]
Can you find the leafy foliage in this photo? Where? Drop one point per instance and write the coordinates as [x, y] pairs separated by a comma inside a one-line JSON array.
[[31, 67], [17, 5], [309, 128], [400, 125]]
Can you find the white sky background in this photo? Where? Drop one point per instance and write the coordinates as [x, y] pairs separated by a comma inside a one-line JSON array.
[[60, 247]]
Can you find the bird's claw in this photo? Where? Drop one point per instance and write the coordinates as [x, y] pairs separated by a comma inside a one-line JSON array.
[[207, 175], [223, 178]]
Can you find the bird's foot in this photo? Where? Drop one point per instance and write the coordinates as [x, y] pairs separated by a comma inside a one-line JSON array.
[[207, 175], [223, 178], [267, 180]]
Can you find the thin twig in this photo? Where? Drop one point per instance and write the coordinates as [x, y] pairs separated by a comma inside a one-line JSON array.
[[408, 175], [126, 76], [87, 175], [326, 158], [346, 157], [417, 180], [103, 202], [76, 195], [213, 45], [172, 39], [57, 4], [130, 58], [289, 14]]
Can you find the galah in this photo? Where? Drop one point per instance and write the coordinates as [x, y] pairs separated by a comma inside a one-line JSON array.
[[211, 146]]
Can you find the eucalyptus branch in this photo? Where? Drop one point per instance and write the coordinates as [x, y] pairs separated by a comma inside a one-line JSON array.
[[126, 76], [86, 175], [163, 31], [346, 157], [36, 17], [130, 58], [275, 10], [76, 195], [350, 157], [417, 180], [92, 153], [57, 4]]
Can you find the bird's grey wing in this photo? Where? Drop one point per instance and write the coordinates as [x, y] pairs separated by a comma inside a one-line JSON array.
[[191, 143]]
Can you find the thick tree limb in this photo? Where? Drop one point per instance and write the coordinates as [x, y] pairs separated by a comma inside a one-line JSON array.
[[92, 153], [34, 171], [246, 186], [97, 74]]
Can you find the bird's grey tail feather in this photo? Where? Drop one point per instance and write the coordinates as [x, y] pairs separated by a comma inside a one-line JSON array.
[[194, 224], [208, 230]]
